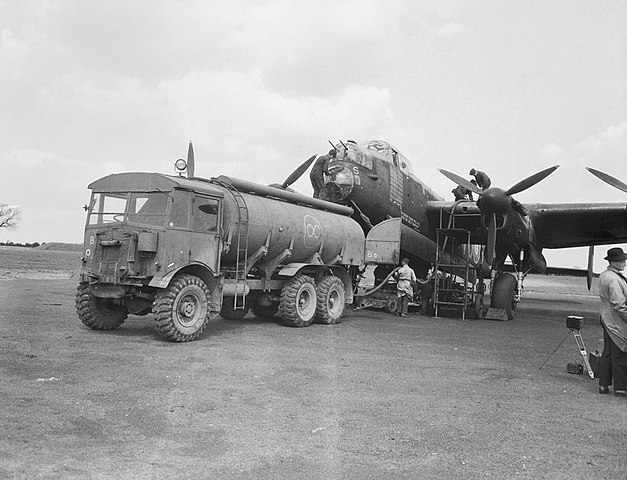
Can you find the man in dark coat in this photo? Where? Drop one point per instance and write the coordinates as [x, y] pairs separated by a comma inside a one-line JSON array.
[[318, 171], [483, 181]]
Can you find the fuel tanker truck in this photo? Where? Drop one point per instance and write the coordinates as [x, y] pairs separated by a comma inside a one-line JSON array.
[[188, 249]]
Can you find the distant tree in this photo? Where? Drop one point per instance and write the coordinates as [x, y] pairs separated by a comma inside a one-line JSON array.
[[9, 216]]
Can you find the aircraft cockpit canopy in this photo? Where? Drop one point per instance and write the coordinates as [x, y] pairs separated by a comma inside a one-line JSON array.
[[390, 154]]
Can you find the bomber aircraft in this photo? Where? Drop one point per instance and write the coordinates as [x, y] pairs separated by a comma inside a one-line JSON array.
[[379, 183]]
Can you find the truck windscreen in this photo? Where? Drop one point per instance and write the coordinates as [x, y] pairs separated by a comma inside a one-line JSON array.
[[136, 208]]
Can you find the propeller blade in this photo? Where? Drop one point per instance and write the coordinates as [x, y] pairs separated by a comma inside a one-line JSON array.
[[531, 181], [590, 265], [491, 246], [190, 160], [461, 181], [614, 182], [296, 174]]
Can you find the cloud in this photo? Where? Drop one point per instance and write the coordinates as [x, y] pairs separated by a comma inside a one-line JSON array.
[[449, 29], [552, 152], [610, 144]]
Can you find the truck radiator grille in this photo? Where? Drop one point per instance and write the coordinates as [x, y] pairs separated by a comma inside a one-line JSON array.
[[113, 250]]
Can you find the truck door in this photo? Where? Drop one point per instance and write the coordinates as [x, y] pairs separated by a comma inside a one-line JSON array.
[[206, 245]]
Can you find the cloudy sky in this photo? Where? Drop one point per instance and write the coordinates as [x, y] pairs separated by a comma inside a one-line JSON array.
[[509, 87]]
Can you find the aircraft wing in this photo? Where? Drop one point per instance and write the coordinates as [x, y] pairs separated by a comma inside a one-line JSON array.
[[466, 215], [563, 225]]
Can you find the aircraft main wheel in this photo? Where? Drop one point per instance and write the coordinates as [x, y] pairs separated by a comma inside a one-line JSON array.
[[181, 310], [98, 313], [298, 301], [263, 311], [229, 312], [331, 300], [391, 304], [480, 308], [503, 293]]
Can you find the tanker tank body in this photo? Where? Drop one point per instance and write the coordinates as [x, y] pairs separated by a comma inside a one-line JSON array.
[[187, 249], [300, 256]]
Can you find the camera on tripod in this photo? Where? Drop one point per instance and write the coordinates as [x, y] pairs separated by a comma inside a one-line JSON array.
[[574, 323]]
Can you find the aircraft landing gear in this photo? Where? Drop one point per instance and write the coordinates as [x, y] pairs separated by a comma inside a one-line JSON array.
[[504, 294]]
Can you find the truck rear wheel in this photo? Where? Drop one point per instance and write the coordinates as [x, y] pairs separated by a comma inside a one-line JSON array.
[[229, 312], [181, 310], [331, 300], [298, 301], [98, 313]]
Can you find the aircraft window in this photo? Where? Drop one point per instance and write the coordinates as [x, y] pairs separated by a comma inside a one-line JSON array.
[[381, 147], [206, 215], [360, 157], [107, 208]]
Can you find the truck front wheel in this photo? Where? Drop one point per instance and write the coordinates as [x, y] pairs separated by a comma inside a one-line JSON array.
[[298, 301], [98, 313], [331, 299], [181, 310]]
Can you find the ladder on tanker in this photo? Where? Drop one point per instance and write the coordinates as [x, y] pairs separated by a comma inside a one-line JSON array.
[[241, 252], [447, 291]]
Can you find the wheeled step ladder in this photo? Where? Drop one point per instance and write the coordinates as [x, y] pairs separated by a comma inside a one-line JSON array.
[[446, 292]]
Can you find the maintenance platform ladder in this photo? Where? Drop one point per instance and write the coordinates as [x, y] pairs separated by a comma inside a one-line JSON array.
[[447, 292]]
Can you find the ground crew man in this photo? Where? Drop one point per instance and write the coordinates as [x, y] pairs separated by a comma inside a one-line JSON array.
[[460, 193], [483, 181], [318, 171], [405, 278]]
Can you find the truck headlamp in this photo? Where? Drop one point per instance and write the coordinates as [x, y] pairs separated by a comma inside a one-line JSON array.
[[180, 165]]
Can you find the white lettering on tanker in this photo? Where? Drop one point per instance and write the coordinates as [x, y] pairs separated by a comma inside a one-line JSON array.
[[313, 231]]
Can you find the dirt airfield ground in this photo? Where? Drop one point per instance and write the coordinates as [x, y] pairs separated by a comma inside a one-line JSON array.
[[374, 397]]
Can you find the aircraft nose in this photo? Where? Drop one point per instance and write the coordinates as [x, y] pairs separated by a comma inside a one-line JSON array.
[[340, 183]]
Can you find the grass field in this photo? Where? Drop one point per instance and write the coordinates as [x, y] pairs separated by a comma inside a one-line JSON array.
[[20, 262], [42, 264]]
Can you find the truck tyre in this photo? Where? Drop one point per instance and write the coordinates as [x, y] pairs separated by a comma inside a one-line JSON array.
[[503, 293], [263, 311], [98, 313], [298, 301], [229, 312], [181, 310], [331, 300]]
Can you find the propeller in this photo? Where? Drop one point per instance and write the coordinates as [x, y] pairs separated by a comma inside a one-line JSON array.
[[461, 181], [590, 266], [491, 245], [296, 174], [614, 182], [531, 181], [190, 160], [519, 187], [496, 201]]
